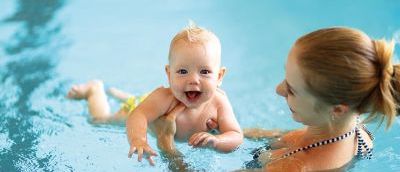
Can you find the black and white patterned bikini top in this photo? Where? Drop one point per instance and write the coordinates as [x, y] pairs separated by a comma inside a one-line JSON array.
[[363, 150]]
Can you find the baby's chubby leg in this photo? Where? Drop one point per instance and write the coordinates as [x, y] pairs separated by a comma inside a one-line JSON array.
[[119, 94], [93, 92]]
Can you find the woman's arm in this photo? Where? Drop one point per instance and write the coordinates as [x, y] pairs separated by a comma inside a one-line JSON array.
[[258, 133]]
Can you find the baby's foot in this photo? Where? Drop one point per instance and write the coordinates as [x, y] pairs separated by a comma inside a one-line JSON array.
[[83, 91], [119, 94]]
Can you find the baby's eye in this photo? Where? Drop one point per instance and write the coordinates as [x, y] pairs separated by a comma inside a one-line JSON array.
[[182, 71], [205, 71]]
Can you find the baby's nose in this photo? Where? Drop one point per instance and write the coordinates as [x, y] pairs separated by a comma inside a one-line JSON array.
[[194, 79]]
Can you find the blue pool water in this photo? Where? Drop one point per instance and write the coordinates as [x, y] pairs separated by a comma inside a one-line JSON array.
[[47, 45]]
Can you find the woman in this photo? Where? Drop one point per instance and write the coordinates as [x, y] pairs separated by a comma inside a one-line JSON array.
[[333, 76]]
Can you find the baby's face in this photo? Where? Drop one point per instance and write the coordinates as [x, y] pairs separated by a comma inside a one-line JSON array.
[[194, 72]]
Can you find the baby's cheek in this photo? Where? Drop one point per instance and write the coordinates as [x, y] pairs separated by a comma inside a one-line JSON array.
[[209, 95]]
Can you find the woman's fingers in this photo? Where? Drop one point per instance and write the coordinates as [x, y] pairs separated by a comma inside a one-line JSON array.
[[212, 124]]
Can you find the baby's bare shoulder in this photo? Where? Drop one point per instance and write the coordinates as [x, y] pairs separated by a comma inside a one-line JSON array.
[[220, 95], [221, 98], [222, 103], [160, 96], [164, 95], [162, 91]]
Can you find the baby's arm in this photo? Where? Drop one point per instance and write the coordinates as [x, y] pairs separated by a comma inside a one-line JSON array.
[[155, 105], [231, 135]]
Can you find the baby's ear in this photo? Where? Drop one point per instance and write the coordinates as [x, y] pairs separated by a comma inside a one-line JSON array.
[[167, 71], [221, 75]]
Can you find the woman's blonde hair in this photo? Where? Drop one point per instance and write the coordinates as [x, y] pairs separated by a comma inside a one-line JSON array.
[[344, 66]]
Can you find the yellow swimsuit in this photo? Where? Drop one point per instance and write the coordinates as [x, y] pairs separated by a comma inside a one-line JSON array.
[[132, 102]]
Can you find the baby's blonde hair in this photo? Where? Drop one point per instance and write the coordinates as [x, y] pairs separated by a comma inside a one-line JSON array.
[[194, 34]]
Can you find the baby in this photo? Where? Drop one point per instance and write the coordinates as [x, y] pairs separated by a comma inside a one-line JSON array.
[[181, 111]]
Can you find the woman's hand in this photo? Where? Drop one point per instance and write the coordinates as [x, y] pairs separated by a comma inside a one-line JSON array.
[[165, 128], [166, 125], [212, 124]]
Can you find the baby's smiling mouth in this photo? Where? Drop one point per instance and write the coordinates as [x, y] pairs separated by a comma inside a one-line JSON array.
[[192, 95]]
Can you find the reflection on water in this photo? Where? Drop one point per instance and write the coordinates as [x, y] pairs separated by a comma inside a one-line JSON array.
[[35, 17], [31, 55]]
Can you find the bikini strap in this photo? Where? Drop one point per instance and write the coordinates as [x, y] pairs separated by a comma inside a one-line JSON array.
[[368, 132], [362, 144]]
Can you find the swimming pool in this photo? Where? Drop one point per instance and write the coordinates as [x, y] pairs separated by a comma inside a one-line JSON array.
[[47, 45]]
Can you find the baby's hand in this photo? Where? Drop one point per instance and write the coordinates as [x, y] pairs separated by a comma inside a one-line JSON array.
[[203, 139], [141, 147]]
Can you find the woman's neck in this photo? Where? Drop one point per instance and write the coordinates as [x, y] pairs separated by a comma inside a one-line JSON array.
[[334, 129]]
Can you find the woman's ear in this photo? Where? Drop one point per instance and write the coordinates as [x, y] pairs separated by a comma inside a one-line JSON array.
[[339, 110], [221, 75]]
